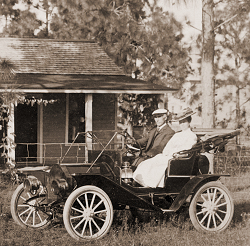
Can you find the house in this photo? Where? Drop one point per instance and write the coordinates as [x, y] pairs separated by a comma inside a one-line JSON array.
[[67, 87]]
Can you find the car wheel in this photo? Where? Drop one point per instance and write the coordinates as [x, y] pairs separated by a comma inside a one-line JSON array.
[[212, 208], [88, 213], [25, 209]]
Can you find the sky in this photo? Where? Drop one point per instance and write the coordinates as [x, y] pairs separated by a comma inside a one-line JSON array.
[[190, 12]]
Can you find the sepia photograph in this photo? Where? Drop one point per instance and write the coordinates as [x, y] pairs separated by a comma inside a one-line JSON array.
[[124, 122]]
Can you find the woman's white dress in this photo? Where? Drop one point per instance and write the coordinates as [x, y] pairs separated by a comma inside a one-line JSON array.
[[151, 172]]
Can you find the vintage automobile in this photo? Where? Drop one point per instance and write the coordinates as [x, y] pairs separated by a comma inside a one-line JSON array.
[[87, 194]]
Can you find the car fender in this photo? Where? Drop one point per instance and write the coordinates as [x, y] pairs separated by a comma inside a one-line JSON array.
[[119, 195], [41, 173], [191, 186]]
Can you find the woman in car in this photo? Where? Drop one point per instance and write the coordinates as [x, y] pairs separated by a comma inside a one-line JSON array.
[[151, 172]]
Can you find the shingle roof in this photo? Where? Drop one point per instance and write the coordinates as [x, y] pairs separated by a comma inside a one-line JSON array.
[[48, 56], [47, 65]]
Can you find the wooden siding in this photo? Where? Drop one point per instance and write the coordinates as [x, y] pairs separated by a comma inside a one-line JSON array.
[[104, 115], [103, 112], [54, 119]]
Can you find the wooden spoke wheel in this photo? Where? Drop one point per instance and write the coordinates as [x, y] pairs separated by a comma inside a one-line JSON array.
[[88, 213], [211, 208], [27, 210]]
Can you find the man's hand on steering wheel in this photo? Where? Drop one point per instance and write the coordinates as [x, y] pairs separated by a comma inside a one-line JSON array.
[[130, 142], [132, 147], [133, 150]]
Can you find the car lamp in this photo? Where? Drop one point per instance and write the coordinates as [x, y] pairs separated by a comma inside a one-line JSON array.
[[59, 186], [31, 183], [126, 172]]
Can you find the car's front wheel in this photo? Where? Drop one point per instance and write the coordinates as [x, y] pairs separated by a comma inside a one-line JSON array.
[[212, 208], [27, 208], [88, 213]]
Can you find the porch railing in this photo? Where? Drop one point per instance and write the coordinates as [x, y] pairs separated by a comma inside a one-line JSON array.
[[75, 152], [51, 153]]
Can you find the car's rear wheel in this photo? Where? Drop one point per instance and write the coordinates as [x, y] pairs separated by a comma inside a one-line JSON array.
[[27, 209], [88, 213], [212, 208]]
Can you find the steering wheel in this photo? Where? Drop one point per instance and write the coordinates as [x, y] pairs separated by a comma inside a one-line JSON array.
[[130, 148], [133, 148]]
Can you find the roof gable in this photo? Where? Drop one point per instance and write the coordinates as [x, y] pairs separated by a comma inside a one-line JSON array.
[[48, 56]]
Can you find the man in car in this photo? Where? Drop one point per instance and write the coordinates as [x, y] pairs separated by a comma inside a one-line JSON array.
[[157, 138]]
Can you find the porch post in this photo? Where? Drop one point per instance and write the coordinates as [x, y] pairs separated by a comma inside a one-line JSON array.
[[40, 135], [88, 122], [11, 134]]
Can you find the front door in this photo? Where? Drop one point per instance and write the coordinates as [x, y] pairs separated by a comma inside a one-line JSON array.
[[26, 132]]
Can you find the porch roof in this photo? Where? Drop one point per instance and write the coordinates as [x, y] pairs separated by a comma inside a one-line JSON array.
[[53, 83], [47, 65]]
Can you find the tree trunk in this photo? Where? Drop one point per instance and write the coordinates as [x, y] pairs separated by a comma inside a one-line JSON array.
[[6, 22], [47, 23], [238, 117], [207, 65]]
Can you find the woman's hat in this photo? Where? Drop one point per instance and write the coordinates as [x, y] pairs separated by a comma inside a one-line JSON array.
[[186, 112]]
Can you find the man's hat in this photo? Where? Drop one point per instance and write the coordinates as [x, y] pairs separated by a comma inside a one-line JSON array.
[[160, 111], [186, 112]]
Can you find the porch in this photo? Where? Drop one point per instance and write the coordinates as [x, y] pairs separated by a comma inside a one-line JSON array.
[[41, 154]]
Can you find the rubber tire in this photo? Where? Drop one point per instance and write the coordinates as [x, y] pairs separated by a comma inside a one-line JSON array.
[[71, 200], [13, 207], [230, 207]]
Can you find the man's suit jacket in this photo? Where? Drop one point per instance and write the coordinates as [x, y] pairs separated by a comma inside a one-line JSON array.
[[155, 142]]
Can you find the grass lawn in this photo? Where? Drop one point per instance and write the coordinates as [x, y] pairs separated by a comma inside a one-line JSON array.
[[123, 233]]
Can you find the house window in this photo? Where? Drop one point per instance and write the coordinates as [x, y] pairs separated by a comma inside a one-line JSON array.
[[75, 117]]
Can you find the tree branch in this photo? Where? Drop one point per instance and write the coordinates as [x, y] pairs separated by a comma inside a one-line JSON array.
[[224, 22], [193, 26]]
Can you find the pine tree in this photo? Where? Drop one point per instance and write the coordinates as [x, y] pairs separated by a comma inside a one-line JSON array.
[[233, 50], [7, 10], [23, 24]]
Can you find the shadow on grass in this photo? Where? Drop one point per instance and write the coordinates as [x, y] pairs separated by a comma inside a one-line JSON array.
[[133, 220], [241, 212]]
